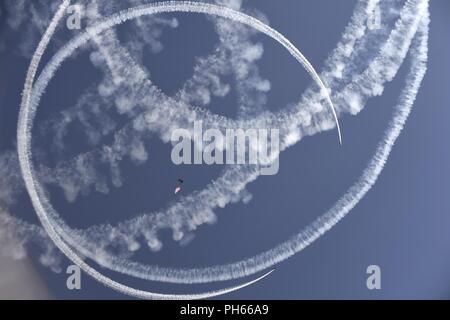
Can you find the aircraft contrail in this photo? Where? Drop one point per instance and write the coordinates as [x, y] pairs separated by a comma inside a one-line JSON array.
[[163, 274], [411, 27], [26, 117]]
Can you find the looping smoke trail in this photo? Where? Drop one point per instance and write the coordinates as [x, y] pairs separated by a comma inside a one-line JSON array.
[[27, 116], [219, 273], [414, 18]]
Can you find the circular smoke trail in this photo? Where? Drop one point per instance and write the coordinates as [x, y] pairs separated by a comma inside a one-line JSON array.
[[414, 20], [26, 116]]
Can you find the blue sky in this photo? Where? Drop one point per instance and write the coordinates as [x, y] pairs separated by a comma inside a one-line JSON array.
[[400, 225]]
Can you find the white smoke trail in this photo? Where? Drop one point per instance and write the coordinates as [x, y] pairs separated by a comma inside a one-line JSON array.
[[24, 129], [207, 215], [237, 55], [181, 6], [235, 51], [67, 175], [79, 174], [306, 113], [219, 198], [343, 206], [396, 47], [16, 234], [234, 181]]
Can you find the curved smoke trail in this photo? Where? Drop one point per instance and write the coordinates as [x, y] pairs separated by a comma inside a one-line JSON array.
[[383, 68], [246, 267], [27, 115], [27, 171], [406, 26]]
